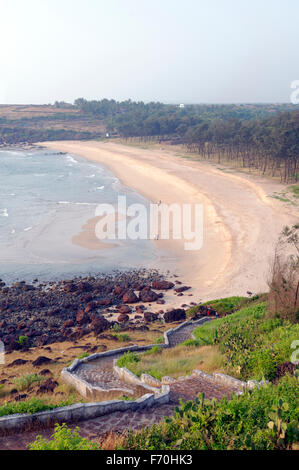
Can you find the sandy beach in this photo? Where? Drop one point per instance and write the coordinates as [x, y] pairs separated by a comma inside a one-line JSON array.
[[242, 221]]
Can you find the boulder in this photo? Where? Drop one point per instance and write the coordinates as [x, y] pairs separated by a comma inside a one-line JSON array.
[[130, 297], [147, 295], [82, 318], [41, 360], [162, 285], [124, 309], [180, 290], [150, 317], [123, 318], [175, 315], [99, 325]]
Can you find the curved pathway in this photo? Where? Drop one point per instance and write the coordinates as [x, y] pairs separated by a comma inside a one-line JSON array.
[[186, 389]]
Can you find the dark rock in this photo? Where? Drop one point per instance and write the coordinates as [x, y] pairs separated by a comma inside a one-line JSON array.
[[175, 315], [82, 318], [130, 297], [123, 318], [18, 362], [45, 372], [150, 317], [147, 295], [162, 285], [124, 309], [48, 386], [99, 325], [41, 360], [179, 290]]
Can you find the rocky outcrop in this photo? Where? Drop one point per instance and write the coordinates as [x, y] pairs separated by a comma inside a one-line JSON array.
[[175, 315]]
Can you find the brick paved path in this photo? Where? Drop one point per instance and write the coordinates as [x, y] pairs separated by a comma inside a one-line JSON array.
[[187, 389]]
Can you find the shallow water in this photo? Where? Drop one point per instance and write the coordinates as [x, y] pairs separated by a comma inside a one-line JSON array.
[[45, 200]]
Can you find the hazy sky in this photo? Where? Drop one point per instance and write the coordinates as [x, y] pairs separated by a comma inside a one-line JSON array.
[[167, 50]]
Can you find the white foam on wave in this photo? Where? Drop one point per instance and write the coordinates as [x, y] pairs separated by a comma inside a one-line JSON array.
[[100, 188], [71, 159], [3, 212], [28, 229]]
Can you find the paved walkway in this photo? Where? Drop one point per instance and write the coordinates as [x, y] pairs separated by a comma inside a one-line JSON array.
[[187, 389]]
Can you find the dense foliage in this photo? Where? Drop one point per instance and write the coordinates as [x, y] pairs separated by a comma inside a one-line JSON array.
[[262, 419], [64, 439], [253, 344]]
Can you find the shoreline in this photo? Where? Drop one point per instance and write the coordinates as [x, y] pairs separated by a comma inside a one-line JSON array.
[[241, 223], [197, 269]]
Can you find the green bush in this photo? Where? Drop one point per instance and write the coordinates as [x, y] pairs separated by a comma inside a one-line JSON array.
[[192, 343], [32, 406], [25, 381], [154, 350], [252, 344], [123, 338], [262, 419], [159, 340], [23, 341], [64, 439], [128, 359]]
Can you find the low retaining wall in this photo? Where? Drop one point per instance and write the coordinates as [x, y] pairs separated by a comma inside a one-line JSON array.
[[80, 412]]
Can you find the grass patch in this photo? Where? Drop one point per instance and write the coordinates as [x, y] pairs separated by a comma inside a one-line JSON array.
[[175, 362], [252, 343], [123, 338], [35, 405], [128, 359], [25, 381], [294, 190]]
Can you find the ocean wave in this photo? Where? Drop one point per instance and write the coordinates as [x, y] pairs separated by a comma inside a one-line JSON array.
[[71, 159], [3, 212], [28, 229], [100, 188]]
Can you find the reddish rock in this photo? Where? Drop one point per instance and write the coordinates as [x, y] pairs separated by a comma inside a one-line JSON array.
[[123, 318], [68, 324], [130, 297], [3, 324], [90, 307], [147, 295], [104, 302], [125, 309], [175, 315], [82, 318], [162, 285], [179, 290], [161, 302], [150, 317], [99, 325]]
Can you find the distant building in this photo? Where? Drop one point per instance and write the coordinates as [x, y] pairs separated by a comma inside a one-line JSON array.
[[107, 135], [181, 106]]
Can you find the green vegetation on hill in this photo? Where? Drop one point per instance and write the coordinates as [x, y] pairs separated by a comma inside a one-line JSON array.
[[262, 419]]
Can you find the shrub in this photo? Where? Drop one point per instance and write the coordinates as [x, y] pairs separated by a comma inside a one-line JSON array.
[[284, 277], [23, 341], [32, 406], [24, 381], [123, 338], [64, 439], [252, 421], [128, 359], [192, 343], [159, 340], [154, 350], [83, 355]]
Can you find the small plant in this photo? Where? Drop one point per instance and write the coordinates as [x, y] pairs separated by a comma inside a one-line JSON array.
[[126, 398], [116, 327], [123, 338], [154, 350], [64, 438], [83, 355], [127, 359], [25, 381], [159, 340], [192, 343], [23, 341]]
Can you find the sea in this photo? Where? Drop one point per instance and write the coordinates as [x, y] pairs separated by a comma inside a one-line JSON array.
[[46, 198]]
